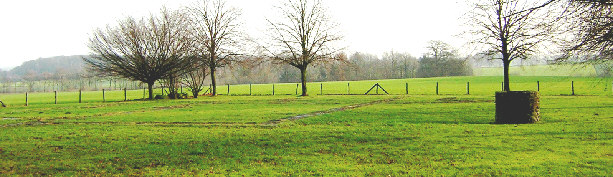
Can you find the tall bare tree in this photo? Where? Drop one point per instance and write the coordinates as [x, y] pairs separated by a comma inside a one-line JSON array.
[[440, 50], [217, 28], [304, 36], [511, 29], [145, 50]]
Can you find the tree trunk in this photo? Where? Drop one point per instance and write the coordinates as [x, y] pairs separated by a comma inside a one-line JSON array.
[[506, 64], [303, 72], [150, 86], [213, 82], [195, 93]]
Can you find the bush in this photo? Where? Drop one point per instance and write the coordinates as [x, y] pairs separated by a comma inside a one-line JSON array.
[[183, 96], [176, 96], [517, 107], [161, 97]]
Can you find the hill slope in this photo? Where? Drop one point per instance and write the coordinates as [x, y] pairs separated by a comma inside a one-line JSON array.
[[64, 64]]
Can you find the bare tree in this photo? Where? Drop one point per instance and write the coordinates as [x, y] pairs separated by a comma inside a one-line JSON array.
[[511, 29], [303, 36], [4, 81], [395, 65], [440, 50], [217, 27], [195, 79], [60, 77], [30, 79], [172, 83], [442, 60], [252, 70], [144, 50], [591, 23]]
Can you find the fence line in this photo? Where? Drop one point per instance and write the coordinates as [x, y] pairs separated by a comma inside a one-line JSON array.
[[67, 85], [335, 89]]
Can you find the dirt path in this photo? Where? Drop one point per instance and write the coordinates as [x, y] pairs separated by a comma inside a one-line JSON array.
[[302, 116]]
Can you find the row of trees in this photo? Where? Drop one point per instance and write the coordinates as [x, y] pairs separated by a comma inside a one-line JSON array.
[[187, 44], [358, 66], [31, 79]]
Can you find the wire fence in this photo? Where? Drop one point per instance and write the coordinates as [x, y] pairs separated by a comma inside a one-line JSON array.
[[327, 88], [68, 85], [426, 88]]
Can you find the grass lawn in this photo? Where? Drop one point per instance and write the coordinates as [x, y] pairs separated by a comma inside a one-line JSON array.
[[419, 134]]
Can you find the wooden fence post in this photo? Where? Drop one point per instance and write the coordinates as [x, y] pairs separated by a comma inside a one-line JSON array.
[[406, 88], [228, 89], [249, 89], [297, 89], [321, 89], [348, 89], [538, 86], [468, 88], [572, 85], [273, 89], [55, 93], [436, 88], [143, 93], [162, 90], [377, 92], [26, 98], [79, 95]]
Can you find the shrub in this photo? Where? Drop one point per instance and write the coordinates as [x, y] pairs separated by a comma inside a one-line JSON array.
[[517, 107]]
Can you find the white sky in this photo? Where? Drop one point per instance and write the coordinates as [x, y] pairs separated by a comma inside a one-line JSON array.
[[32, 29]]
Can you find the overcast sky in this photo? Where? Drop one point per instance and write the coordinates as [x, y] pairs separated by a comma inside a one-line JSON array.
[[33, 29]]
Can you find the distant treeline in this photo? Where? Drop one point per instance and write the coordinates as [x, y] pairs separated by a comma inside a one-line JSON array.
[[68, 67], [69, 72], [359, 66]]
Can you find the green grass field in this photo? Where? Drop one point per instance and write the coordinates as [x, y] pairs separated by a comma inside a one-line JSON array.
[[479, 85], [420, 134]]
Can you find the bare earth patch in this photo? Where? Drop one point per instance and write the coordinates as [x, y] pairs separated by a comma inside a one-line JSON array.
[[302, 116]]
